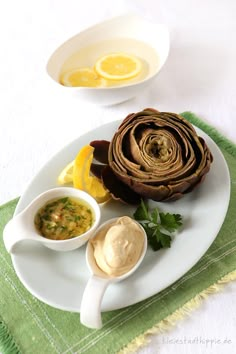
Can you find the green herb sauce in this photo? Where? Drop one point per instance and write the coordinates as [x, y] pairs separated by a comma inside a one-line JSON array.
[[64, 218]]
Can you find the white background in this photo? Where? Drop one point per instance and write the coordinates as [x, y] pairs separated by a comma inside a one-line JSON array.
[[36, 120]]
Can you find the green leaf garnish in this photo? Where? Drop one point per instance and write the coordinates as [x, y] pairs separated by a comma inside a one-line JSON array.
[[170, 222], [141, 212], [158, 225]]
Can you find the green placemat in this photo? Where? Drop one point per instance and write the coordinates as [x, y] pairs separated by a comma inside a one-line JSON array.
[[29, 326]]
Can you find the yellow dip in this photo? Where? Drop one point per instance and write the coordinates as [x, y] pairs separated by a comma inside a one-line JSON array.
[[64, 218], [118, 246]]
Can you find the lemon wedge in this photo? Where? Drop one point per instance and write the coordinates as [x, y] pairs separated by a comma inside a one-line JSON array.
[[66, 175], [84, 77], [118, 66], [82, 178]]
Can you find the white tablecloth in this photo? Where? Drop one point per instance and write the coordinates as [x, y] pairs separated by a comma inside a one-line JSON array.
[[37, 120]]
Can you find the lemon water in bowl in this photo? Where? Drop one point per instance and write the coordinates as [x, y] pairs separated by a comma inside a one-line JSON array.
[[82, 55], [107, 63]]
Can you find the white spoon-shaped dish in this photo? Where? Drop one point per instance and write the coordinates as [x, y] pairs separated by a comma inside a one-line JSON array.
[[21, 227], [90, 310]]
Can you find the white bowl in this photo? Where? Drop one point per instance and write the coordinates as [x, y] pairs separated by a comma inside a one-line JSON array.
[[22, 228], [127, 33]]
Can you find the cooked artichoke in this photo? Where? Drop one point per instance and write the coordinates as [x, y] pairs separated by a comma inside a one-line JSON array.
[[158, 155]]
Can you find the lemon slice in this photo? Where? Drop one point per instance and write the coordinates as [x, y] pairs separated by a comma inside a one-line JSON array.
[[85, 77], [66, 175], [82, 178], [118, 66]]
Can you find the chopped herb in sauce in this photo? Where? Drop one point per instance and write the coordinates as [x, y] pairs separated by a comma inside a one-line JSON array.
[[64, 218]]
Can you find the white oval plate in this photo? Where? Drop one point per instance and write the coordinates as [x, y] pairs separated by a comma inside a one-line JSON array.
[[59, 278]]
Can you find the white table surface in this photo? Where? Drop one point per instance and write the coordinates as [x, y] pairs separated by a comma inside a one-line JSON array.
[[37, 120]]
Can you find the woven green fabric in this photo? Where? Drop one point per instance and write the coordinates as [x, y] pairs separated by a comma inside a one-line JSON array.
[[29, 326]]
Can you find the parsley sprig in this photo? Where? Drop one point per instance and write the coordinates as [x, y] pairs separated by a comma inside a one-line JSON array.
[[157, 225]]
